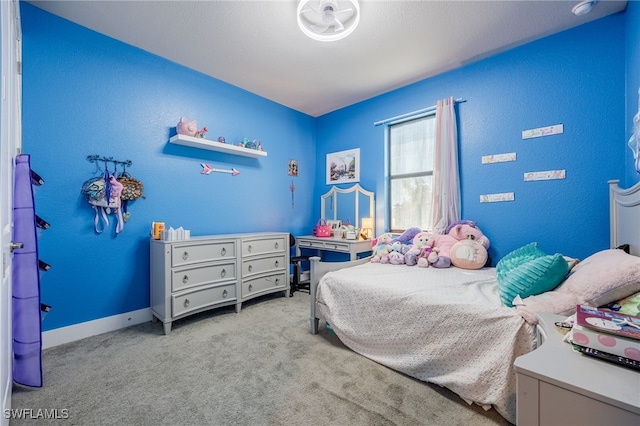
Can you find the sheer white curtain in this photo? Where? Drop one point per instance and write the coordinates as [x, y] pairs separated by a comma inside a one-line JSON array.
[[446, 176]]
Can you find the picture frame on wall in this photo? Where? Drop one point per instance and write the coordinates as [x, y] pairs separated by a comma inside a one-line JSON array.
[[343, 167]]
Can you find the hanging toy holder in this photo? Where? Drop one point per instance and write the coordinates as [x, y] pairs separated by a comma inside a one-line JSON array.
[[104, 192]]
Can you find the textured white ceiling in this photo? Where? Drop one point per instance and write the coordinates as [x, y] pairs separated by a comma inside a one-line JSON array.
[[257, 45]]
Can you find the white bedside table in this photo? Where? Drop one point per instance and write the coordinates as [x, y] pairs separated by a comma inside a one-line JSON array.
[[558, 386]]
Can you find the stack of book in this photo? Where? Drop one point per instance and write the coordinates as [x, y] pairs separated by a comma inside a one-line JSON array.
[[607, 335]]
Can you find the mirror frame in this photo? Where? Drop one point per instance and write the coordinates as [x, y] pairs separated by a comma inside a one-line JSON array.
[[333, 194]]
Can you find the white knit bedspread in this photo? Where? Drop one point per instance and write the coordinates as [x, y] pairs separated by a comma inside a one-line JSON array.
[[444, 326]]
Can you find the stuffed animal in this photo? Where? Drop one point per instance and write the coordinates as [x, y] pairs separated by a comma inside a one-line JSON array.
[[188, 128], [382, 248], [421, 249], [443, 244], [396, 257], [457, 231], [468, 254], [468, 230], [406, 238]]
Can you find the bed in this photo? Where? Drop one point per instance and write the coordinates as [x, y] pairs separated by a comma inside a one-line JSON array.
[[450, 326]]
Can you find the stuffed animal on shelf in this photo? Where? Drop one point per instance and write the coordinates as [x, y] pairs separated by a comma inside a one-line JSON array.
[[188, 128], [382, 248]]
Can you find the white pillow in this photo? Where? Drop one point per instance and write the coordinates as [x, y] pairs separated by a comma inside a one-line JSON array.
[[602, 278]]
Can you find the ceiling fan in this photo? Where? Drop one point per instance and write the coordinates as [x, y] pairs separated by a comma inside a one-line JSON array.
[[328, 20]]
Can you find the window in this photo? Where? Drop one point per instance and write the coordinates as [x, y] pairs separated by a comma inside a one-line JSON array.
[[411, 153]]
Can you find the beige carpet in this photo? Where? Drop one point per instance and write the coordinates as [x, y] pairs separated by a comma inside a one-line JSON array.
[[258, 367]]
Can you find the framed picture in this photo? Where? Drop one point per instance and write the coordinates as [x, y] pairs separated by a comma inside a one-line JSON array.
[[343, 167], [335, 225], [293, 167]]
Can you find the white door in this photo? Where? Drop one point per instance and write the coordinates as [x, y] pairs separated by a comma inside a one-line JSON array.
[[10, 144]]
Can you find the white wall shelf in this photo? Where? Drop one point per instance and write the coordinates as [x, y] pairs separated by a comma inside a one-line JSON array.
[[216, 146]]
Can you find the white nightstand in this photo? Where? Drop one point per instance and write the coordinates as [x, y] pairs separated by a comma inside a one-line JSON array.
[[558, 386]]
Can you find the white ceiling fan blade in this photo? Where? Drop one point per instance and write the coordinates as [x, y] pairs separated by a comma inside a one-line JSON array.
[[320, 28], [339, 26]]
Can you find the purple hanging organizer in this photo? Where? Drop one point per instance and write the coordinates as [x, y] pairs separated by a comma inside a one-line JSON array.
[[27, 335]]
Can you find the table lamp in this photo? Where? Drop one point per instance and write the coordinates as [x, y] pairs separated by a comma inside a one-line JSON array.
[[367, 227]]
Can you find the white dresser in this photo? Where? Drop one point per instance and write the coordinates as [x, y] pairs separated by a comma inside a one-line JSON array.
[[557, 386], [208, 272]]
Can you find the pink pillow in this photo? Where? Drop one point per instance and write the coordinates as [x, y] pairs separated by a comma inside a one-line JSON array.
[[602, 278]]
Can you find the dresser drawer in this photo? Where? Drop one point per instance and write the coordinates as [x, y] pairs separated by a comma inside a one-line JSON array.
[[262, 264], [258, 285], [200, 298], [202, 274], [267, 245], [187, 254]]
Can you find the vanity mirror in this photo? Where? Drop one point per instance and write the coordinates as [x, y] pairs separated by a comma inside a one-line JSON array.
[[354, 205]]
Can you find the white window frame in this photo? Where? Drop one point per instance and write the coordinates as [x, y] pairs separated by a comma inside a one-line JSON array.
[[391, 176]]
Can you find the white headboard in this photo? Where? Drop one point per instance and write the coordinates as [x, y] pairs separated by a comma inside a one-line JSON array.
[[624, 211]]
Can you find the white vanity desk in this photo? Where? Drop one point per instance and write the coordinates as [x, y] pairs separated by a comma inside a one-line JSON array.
[[354, 204], [558, 386], [339, 245]]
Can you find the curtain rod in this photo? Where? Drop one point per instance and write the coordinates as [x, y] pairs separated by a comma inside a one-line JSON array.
[[424, 111]]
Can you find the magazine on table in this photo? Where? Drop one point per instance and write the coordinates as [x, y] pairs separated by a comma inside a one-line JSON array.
[[606, 321]]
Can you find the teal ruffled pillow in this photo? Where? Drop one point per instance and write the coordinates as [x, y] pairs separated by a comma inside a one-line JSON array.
[[532, 276], [517, 258]]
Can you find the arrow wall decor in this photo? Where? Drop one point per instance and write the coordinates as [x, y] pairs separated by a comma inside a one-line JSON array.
[[207, 169]]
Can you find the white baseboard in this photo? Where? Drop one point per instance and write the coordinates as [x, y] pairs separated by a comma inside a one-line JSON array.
[[75, 332]]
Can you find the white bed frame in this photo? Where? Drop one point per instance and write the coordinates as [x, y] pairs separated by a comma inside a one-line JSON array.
[[624, 219]]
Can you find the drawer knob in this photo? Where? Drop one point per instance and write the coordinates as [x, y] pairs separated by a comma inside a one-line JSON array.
[[223, 273], [224, 294], [185, 255], [185, 279], [250, 287], [250, 248], [250, 268], [277, 263], [186, 303], [277, 245], [223, 252], [277, 281]]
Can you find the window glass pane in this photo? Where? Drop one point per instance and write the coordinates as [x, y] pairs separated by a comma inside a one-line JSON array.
[[411, 152], [410, 200], [411, 146]]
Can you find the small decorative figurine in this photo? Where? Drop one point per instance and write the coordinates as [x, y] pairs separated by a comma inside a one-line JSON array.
[[201, 133]]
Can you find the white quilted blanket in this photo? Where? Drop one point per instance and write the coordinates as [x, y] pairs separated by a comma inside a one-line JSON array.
[[444, 326]]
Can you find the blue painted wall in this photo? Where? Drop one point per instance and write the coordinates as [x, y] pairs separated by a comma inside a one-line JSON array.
[[84, 94], [632, 25], [575, 78], [88, 94]]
